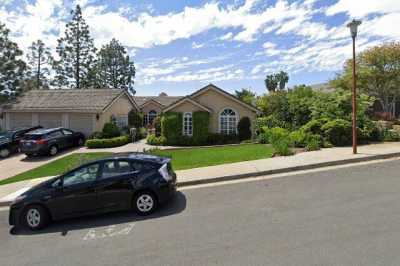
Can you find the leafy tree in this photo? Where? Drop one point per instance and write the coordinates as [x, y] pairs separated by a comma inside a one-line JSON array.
[[12, 67], [77, 54], [271, 83], [282, 78], [114, 68], [378, 74], [277, 80], [246, 95], [39, 58]]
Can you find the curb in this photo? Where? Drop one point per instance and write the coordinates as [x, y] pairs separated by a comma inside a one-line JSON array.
[[288, 170], [273, 172]]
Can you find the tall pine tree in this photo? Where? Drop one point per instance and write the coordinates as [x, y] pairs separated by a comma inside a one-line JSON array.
[[76, 50], [114, 69], [39, 59], [12, 67]]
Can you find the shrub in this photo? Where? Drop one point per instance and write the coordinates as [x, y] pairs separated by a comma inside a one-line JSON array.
[[263, 138], [201, 123], [171, 127], [338, 132], [314, 126], [278, 133], [268, 121], [110, 130], [313, 143], [141, 133], [244, 129], [220, 139], [107, 143], [154, 140], [391, 135], [135, 119], [282, 146], [157, 125], [299, 138], [96, 135]]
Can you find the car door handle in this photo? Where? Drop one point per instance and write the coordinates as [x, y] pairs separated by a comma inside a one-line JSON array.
[[46, 198]]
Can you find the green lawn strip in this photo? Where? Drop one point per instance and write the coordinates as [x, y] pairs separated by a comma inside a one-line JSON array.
[[56, 167], [200, 157]]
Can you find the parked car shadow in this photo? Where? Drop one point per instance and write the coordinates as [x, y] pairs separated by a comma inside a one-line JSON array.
[[41, 158], [174, 206]]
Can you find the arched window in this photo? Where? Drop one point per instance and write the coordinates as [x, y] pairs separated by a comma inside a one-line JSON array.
[[187, 124], [228, 122], [151, 116]]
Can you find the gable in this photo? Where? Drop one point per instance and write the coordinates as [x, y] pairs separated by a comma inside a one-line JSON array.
[[213, 91], [187, 105]]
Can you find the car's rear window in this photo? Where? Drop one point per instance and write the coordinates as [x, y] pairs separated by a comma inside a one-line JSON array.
[[32, 136]]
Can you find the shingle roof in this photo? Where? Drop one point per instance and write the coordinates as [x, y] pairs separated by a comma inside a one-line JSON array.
[[163, 100], [65, 99]]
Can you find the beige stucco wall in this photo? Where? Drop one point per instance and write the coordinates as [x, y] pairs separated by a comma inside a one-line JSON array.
[[186, 107], [151, 106], [119, 108], [217, 102]]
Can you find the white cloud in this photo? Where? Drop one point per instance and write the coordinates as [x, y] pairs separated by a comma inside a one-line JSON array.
[[226, 37], [197, 45], [364, 7]]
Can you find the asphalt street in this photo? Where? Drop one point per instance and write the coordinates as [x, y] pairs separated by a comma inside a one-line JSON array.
[[346, 216]]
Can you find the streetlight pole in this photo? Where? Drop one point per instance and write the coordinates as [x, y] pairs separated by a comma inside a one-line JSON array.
[[353, 30]]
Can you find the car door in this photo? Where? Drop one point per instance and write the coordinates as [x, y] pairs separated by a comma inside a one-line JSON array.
[[56, 138], [76, 194], [114, 186], [69, 137]]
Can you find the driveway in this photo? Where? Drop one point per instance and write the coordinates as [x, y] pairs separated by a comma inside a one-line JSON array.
[[19, 163]]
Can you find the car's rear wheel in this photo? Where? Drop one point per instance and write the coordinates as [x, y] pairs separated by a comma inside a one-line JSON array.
[[81, 141], [4, 153], [53, 150], [35, 217], [145, 203]]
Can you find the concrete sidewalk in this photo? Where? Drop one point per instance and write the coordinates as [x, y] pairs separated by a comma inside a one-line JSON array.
[[301, 161]]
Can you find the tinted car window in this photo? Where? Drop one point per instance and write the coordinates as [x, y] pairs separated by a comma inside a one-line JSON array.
[[141, 166], [33, 137], [67, 132], [115, 168], [55, 134], [82, 175]]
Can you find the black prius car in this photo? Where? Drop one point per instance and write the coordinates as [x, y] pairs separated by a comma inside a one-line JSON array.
[[9, 140], [50, 141], [122, 182]]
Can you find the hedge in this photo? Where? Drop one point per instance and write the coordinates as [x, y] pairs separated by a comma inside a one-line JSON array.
[[201, 123], [135, 119], [154, 140], [171, 127], [244, 129], [110, 130], [107, 143]]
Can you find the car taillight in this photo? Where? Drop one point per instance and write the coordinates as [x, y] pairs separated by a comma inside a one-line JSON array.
[[41, 141], [164, 172]]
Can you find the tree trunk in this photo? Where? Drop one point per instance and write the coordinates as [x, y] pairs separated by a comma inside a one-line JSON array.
[[38, 69]]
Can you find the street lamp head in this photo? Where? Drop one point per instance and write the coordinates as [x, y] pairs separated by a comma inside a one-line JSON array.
[[353, 25]]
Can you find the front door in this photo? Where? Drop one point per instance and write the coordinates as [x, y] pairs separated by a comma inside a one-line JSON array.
[[77, 194]]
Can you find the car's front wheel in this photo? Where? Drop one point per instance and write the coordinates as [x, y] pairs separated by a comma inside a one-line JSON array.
[[4, 153], [35, 217], [145, 203]]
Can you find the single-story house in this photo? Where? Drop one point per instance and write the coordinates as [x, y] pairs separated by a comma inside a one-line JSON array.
[[84, 110], [87, 110]]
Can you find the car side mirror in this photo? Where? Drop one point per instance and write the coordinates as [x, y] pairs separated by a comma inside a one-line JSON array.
[[57, 184]]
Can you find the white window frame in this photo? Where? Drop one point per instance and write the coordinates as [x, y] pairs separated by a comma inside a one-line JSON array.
[[183, 124], [148, 117], [236, 116]]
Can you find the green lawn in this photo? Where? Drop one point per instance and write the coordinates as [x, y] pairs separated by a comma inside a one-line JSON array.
[[200, 157], [181, 159], [56, 167]]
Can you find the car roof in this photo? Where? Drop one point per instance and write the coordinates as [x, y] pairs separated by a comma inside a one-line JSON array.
[[42, 131], [139, 156]]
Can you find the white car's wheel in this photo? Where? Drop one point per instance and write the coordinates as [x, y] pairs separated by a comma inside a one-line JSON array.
[[4, 153], [145, 203], [53, 150]]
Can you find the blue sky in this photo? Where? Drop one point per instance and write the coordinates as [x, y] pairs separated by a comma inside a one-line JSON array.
[[180, 46]]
